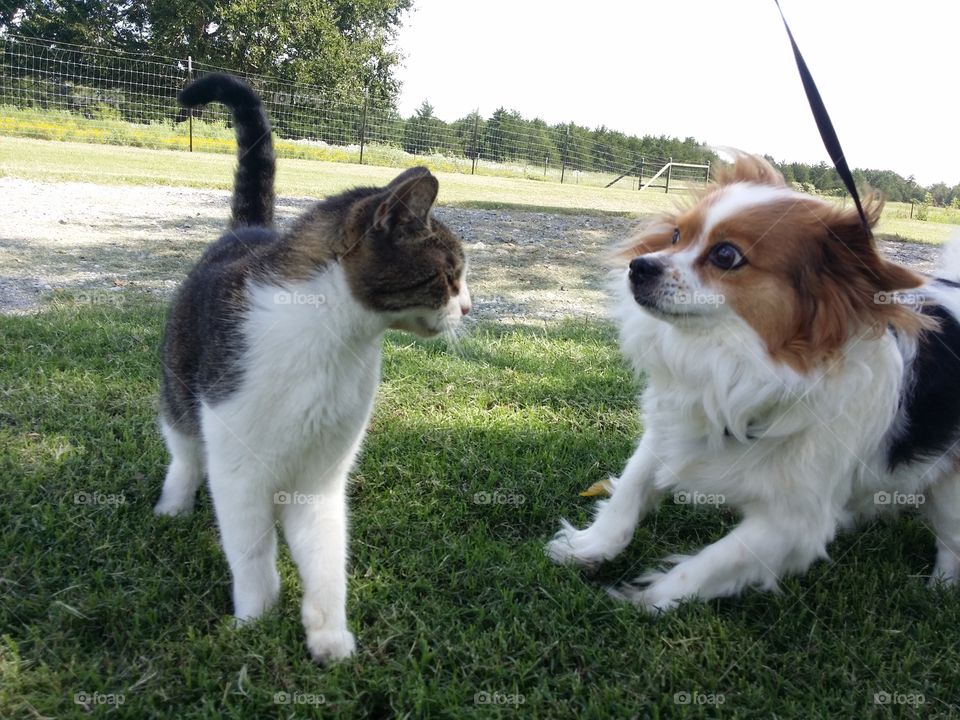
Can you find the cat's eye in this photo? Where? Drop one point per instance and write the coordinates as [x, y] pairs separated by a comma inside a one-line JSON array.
[[726, 256], [676, 236]]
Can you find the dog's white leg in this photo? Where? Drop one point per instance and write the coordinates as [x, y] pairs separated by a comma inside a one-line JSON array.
[[757, 553], [184, 474], [633, 495], [316, 531], [942, 507]]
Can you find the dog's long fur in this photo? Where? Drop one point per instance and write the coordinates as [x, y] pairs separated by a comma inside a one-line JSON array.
[[798, 377]]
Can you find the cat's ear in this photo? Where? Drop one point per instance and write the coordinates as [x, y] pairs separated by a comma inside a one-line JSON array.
[[408, 201], [408, 174]]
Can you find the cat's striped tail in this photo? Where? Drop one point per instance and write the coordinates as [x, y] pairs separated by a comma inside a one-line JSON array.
[[256, 164]]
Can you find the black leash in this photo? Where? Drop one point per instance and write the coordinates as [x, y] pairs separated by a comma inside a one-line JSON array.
[[827, 133]]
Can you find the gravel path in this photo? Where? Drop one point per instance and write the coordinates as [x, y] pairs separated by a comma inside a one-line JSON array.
[[101, 239]]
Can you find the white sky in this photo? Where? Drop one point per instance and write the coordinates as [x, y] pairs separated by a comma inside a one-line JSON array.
[[721, 71]]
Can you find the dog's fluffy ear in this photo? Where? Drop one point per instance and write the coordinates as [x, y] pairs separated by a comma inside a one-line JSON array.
[[748, 168]]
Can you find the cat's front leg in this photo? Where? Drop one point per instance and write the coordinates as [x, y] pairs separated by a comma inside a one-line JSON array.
[[315, 526]]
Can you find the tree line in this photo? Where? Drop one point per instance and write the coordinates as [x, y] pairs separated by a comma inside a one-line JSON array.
[[823, 178], [507, 136], [343, 49]]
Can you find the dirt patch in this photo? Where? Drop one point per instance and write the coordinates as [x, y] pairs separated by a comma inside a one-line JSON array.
[[102, 240]]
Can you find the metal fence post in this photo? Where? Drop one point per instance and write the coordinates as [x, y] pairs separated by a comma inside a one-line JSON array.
[[669, 171], [563, 156], [640, 175], [706, 174], [363, 123], [189, 78], [476, 136]]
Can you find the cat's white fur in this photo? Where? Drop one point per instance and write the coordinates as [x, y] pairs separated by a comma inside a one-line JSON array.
[[281, 446]]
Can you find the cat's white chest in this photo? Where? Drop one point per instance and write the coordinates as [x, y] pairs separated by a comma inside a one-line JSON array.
[[310, 374]]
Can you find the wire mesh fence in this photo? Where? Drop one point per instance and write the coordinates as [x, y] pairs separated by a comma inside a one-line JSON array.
[[68, 92]]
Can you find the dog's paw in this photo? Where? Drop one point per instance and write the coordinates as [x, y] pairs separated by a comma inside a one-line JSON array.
[[946, 571], [651, 592], [329, 646], [943, 579], [580, 547]]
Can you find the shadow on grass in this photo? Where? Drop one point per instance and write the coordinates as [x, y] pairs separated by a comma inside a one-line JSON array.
[[469, 464]]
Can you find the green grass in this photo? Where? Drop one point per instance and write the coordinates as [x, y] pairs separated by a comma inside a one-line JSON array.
[[449, 597], [118, 165], [940, 225], [211, 136]]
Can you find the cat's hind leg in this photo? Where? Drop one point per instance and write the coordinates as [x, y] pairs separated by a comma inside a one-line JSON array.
[[184, 474]]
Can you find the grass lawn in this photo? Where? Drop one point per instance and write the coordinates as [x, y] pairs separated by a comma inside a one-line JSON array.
[[474, 453], [52, 161], [117, 165]]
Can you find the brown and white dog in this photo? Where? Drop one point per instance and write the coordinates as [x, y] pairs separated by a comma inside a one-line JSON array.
[[792, 373]]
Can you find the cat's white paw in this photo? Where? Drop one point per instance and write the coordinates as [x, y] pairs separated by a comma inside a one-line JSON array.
[[587, 547], [172, 507], [328, 646]]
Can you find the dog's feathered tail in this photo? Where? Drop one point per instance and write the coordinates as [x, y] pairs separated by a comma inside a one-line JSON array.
[[256, 164]]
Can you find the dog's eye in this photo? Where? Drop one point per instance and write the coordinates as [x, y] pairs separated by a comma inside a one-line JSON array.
[[676, 235], [726, 256]]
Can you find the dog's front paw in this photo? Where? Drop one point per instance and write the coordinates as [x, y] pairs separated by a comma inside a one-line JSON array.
[[653, 592], [587, 547], [328, 646]]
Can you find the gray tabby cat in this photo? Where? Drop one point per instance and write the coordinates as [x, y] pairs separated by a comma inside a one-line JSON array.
[[271, 361]]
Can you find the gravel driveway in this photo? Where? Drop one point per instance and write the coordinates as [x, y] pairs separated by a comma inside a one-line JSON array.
[[110, 239]]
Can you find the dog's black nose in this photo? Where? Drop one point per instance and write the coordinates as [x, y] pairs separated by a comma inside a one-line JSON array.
[[645, 269]]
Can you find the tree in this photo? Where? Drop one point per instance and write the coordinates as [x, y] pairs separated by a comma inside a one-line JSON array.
[[425, 133], [342, 46]]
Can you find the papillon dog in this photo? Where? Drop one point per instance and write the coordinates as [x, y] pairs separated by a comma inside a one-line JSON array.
[[792, 373]]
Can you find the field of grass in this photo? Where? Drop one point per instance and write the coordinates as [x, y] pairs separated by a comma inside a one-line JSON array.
[[117, 165], [216, 137], [473, 455], [120, 165]]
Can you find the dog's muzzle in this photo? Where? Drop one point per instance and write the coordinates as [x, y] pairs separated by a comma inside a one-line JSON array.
[[644, 276]]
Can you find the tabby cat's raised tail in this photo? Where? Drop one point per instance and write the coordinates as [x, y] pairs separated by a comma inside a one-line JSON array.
[[256, 164]]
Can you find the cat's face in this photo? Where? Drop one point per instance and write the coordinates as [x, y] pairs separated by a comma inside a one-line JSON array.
[[403, 262]]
